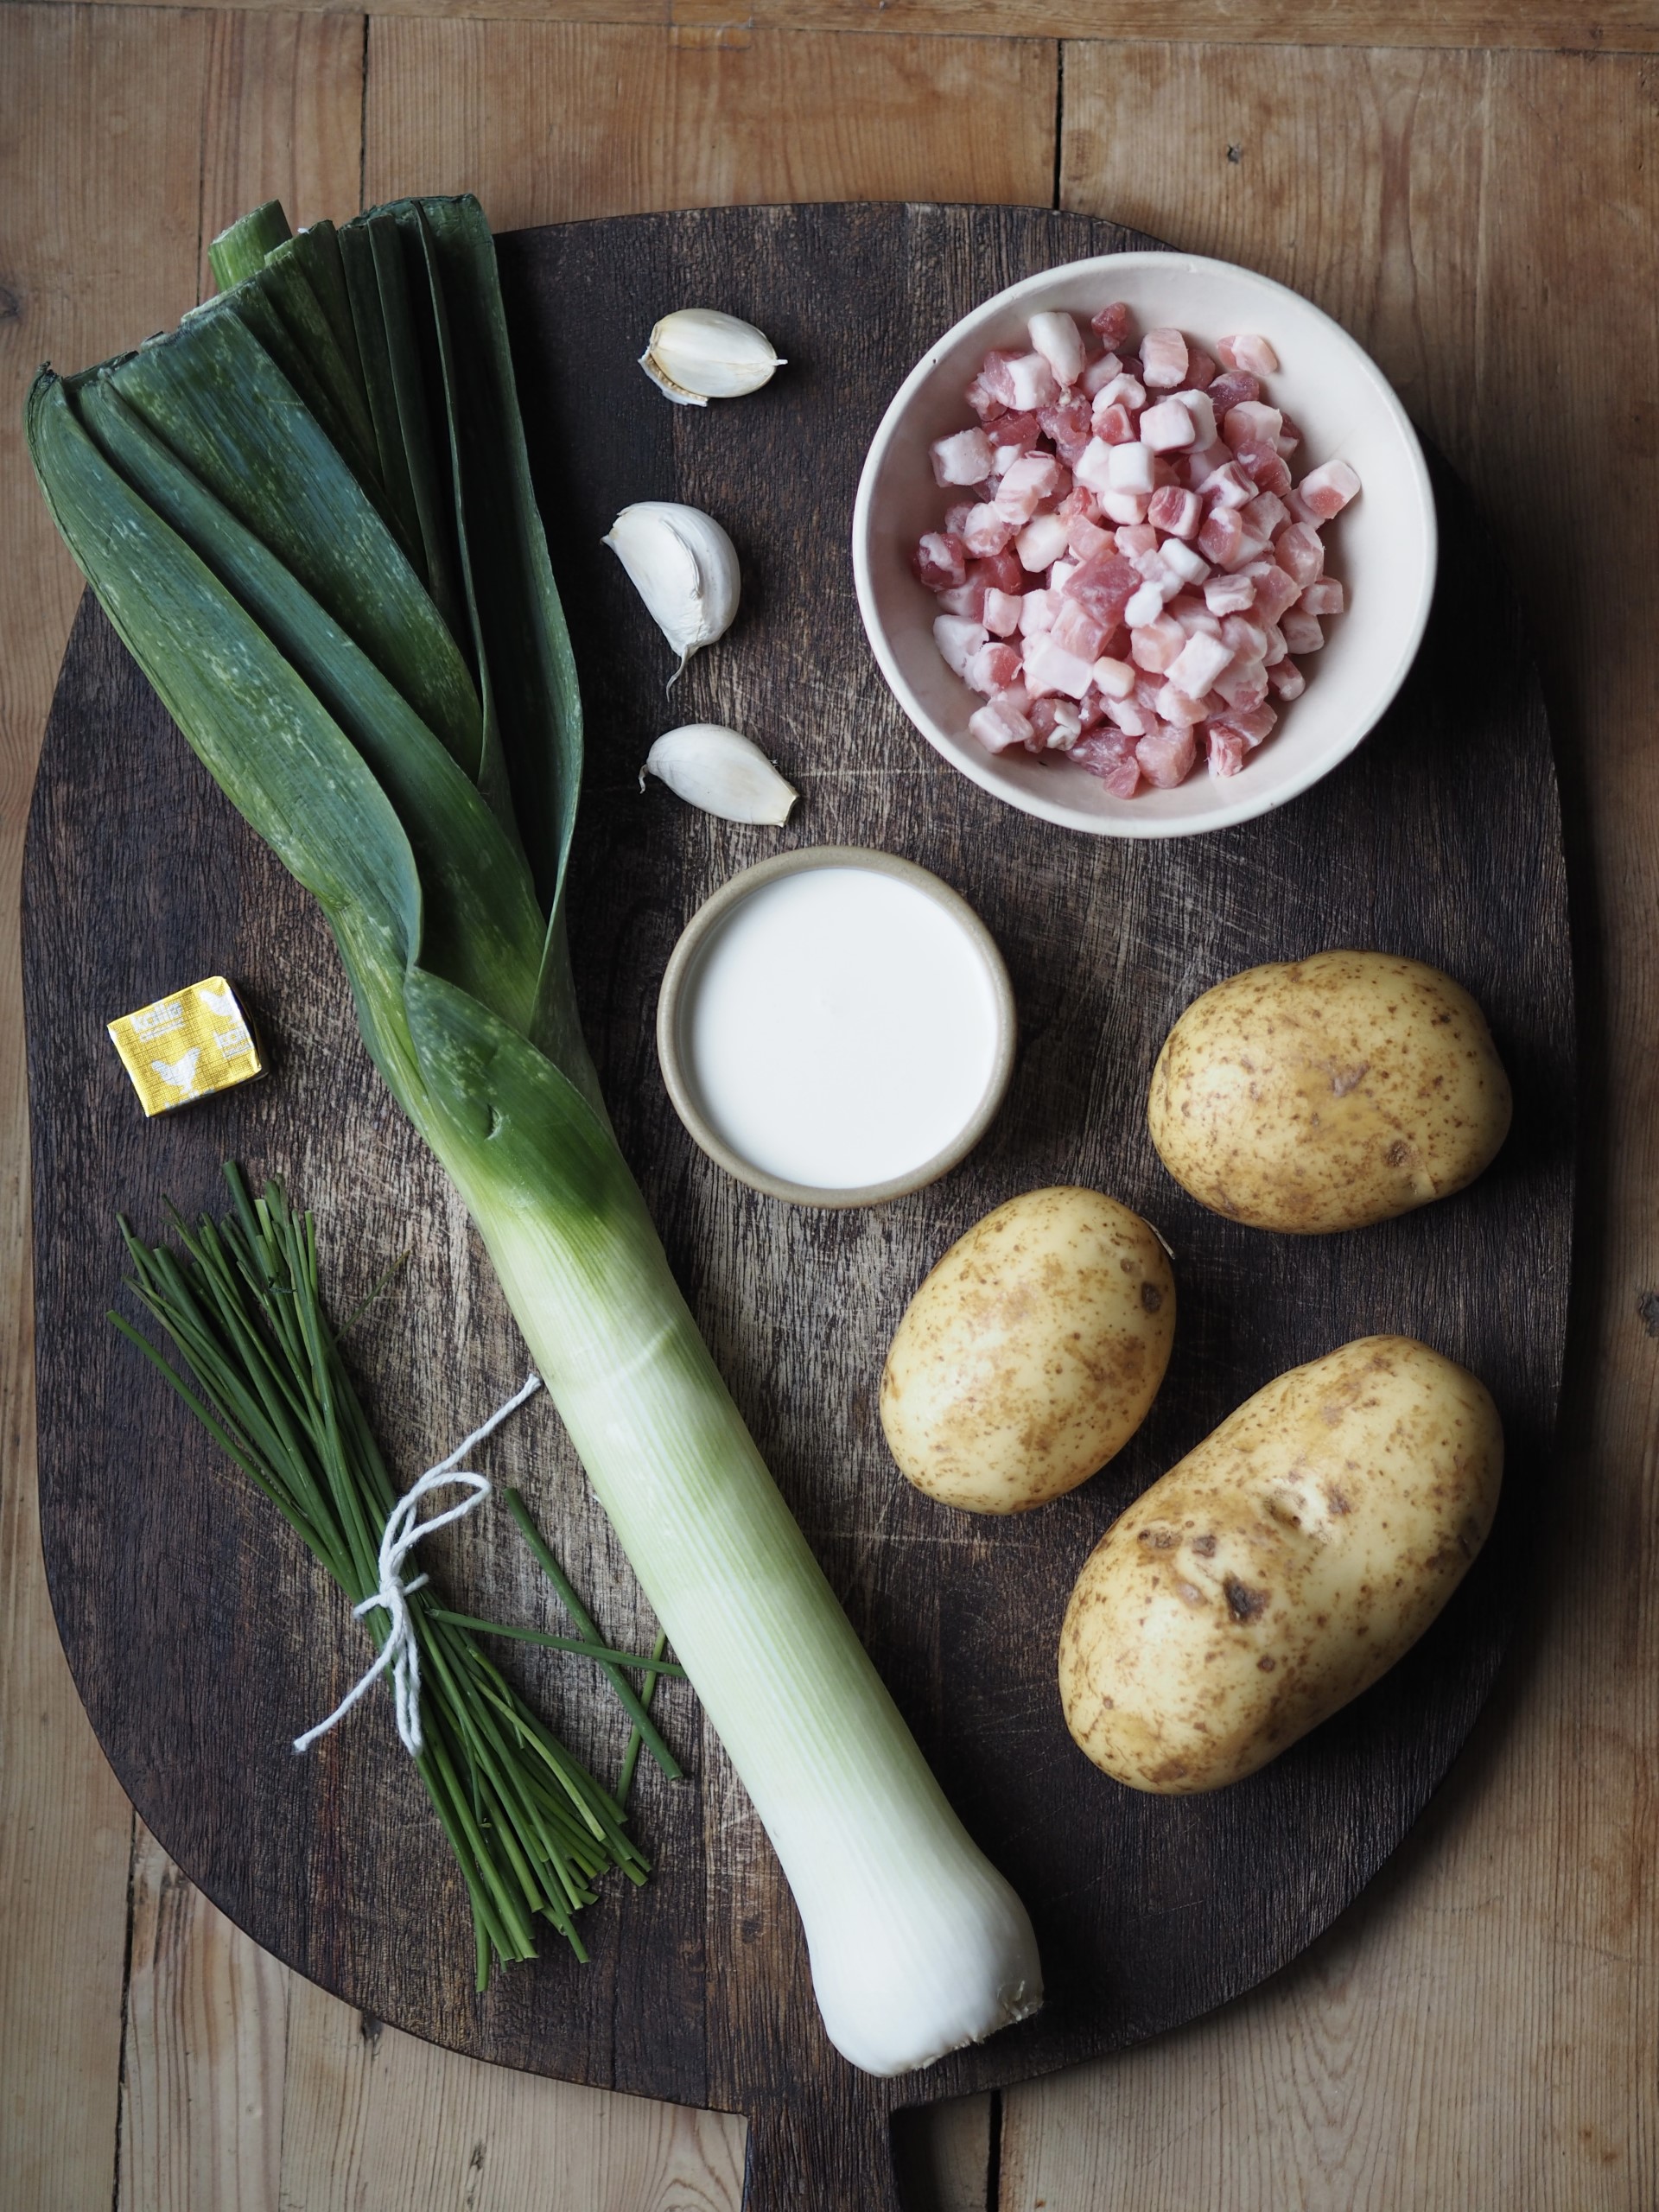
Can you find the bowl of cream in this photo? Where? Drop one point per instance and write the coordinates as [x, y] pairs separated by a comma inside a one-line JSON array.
[[836, 1026]]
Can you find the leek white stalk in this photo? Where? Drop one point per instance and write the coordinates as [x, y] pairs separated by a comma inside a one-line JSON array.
[[326, 556]]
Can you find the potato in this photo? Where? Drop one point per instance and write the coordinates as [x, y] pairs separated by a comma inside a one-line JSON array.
[[1280, 1567], [1030, 1353], [1328, 1093]]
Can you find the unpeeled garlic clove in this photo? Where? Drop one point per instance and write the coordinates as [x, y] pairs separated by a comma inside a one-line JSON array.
[[683, 566], [697, 354], [721, 771]]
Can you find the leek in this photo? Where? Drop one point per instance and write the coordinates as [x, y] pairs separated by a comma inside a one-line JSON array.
[[308, 512]]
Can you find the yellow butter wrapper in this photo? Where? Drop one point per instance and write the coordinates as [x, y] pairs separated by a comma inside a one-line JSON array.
[[184, 1048]]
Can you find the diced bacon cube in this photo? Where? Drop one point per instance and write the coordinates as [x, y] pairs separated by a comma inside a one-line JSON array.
[[1242, 686], [940, 561], [1056, 722], [998, 572], [1198, 405], [1192, 615], [994, 378], [1276, 647], [1228, 486], [1274, 590], [1001, 612], [1113, 425], [1019, 433], [1226, 594], [1300, 552], [1302, 631], [1176, 513], [1287, 681], [1174, 706], [1231, 387], [1124, 391], [1105, 585], [957, 518], [1057, 338], [1026, 484], [964, 459], [1037, 612], [1129, 716], [1200, 661], [1252, 421], [1090, 707], [1114, 679], [1265, 515], [1288, 439], [1325, 597], [1099, 373], [1110, 756], [1079, 500], [1244, 640], [1254, 722], [1197, 468], [983, 401], [1221, 536], [1058, 575], [1200, 370], [1041, 542], [986, 530], [1248, 349], [1167, 428], [1085, 539], [1164, 755], [1050, 668], [1129, 468], [1163, 360], [1112, 322], [1147, 605], [1093, 467], [993, 668], [1186, 564], [967, 600], [999, 726], [1124, 506], [1134, 538], [1250, 548], [1263, 466], [1224, 748], [1076, 630], [1068, 423], [958, 639], [1032, 380], [1156, 645]]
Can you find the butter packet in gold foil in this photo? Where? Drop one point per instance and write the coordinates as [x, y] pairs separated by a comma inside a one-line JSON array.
[[186, 1046]]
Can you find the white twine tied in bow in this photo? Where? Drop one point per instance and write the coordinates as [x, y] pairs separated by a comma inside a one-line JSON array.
[[402, 1532]]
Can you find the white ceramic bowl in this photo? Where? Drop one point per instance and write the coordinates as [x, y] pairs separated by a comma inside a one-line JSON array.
[[1383, 546]]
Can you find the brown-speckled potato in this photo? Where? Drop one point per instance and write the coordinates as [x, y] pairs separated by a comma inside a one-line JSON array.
[[1283, 1566], [1030, 1353], [1328, 1093]]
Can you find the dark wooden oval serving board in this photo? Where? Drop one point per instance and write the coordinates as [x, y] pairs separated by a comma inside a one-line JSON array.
[[200, 1637]]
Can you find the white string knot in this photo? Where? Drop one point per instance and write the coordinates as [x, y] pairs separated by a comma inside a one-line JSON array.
[[402, 1533]]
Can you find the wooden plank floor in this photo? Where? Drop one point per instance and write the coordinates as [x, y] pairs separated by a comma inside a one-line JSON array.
[[1480, 210]]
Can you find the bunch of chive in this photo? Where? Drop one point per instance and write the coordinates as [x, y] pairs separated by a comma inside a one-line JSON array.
[[532, 1829]]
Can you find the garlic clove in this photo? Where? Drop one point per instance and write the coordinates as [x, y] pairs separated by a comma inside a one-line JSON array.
[[697, 354], [721, 771], [683, 566]]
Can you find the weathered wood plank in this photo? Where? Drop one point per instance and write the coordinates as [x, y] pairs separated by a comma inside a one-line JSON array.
[[207, 2032], [1479, 2030], [1624, 26], [373, 2117], [97, 170], [549, 121]]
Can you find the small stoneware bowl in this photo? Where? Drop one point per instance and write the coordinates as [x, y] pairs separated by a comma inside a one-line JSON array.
[[1382, 546], [949, 924]]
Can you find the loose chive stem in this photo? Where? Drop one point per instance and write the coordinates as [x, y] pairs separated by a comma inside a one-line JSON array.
[[578, 1644], [631, 1756], [572, 1606]]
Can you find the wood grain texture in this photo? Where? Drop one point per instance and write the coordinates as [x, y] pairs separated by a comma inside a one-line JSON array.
[[1475, 2031], [98, 177], [551, 121], [1623, 26], [1148, 1910]]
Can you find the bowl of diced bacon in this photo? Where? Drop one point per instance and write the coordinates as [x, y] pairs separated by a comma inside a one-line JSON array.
[[1145, 546]]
